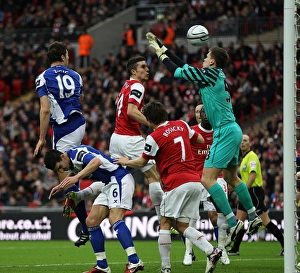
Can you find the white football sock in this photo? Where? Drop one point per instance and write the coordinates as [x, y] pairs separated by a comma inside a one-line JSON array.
[[222, 230], [164, 246], [91, 191], [156, 194], [188, 243], [198, 239]]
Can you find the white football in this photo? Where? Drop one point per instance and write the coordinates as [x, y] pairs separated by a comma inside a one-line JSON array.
[[197, 35]]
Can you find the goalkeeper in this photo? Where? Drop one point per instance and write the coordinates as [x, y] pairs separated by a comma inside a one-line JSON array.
[[224, 152]]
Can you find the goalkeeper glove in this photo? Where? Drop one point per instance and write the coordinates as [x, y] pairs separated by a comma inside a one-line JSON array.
[[150, 36], [160, 51]]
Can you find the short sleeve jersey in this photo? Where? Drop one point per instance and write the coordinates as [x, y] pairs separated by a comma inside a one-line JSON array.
[[250, 163], [63, 86], [213, 90], [200, 151], [81, 155], [169, 144], [132, 91]]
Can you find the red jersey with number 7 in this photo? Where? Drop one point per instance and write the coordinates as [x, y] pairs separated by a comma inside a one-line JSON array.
[[169, 144]]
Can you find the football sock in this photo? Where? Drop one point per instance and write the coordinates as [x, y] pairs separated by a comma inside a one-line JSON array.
[[81, 214], [222, 230], [245, 198], [91, 191], [80, 209], [198, 239], [188, 246], [125, 238], [219, 197], [238, 240], [164, 246], [97, 241], [72, 188], [186, 241], [276, 232], [156, 194], [216, 232]]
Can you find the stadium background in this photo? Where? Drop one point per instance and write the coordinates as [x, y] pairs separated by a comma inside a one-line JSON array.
[[250, 31]]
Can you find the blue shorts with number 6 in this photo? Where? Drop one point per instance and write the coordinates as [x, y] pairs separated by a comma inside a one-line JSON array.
[[225, 148]]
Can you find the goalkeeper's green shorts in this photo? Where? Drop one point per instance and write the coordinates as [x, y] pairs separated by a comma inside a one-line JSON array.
[[225, 148]]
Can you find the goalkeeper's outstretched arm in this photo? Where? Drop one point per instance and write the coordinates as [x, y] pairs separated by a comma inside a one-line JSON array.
[[169, 59], [170, 65], [175, 59]]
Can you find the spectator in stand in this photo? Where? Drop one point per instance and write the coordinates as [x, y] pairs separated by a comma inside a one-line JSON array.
[[129, 37], [168, 35], [85, 44], [21, 196], [40, 195], [4, 195]]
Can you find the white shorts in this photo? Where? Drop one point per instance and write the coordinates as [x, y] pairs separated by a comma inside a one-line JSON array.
[[71, 140], [209, 206], [182, 203], [131, 146], [115, 195]]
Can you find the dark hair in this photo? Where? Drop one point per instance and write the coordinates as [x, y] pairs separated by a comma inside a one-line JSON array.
[[55, 51], [132, 63], [155, 112], [220, 55], [51, 158]]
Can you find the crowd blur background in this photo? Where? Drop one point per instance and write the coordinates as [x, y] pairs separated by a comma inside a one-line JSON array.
[[255, 77]]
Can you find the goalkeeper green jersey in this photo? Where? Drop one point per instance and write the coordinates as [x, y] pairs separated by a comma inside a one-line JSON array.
[[213, 90]]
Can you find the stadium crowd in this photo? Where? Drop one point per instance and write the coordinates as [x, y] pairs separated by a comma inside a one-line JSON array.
[[255, 77]]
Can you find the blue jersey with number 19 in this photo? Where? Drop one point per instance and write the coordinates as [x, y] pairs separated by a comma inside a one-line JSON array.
[[63, 86]]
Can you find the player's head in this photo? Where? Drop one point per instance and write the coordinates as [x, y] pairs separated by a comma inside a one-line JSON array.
[[155, 112], [198, 109], [216, 57], [56, 161], [245, 145], [57, 52], [204, 120], [138, 69]]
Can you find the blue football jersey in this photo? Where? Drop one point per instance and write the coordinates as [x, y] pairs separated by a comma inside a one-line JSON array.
[[63, 86], [81, 155]]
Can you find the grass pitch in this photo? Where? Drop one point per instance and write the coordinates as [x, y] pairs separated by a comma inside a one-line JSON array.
[[63, 256]]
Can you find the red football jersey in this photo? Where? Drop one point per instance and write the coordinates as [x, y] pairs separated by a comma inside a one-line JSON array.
[[170, 146], [132, 91], [200, 151]]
